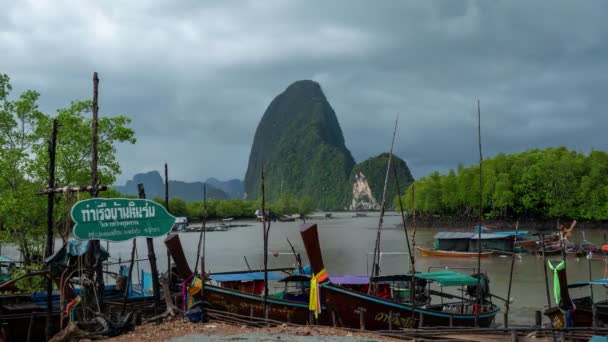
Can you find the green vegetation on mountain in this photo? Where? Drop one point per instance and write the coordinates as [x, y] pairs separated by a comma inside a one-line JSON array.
[[300, 146], [550, 183], [375, 170]]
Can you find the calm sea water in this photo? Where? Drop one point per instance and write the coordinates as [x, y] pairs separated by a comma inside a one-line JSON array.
[[347, 242]]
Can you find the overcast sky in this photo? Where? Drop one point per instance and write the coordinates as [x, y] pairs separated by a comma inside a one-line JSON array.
[[197, 76]]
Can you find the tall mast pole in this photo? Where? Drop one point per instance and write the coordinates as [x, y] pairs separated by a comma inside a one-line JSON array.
[[376, 263], [479, 301], [407, 240]]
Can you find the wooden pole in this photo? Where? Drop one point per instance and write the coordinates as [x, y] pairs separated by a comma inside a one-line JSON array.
[[95, 127], [151, 256], [49, 231], [589, 257], [542, 239], [377, 248], [414, 214], [204, 259], [407, 241], [201, 235], [95, 266], [167, 207], [265, 247], [130, 279], [479, 300], [511, 277]]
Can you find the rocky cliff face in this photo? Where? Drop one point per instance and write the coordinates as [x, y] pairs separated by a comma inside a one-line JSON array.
[[362, 194], [300, 146], [374, 170]]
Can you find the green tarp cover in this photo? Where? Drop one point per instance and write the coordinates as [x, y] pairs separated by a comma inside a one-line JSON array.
[[448, 278]]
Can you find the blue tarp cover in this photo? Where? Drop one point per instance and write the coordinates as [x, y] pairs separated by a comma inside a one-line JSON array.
[[248, 276], [587, 283]]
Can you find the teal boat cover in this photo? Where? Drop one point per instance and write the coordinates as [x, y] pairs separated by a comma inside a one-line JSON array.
[[448, 278], [4, 259]]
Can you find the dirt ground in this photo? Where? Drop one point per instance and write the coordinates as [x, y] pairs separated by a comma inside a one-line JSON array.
[[177, 328]]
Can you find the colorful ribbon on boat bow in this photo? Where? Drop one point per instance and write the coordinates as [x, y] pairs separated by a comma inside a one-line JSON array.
[[556, 290], [314, 303]]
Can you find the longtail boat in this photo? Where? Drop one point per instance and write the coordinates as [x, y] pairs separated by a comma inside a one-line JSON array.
[[240, 302], [463, 245], [577, 312], [534, 242], [357, 310], [452, 254]]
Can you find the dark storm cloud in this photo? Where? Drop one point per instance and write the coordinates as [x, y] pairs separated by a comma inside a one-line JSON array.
[[196, 76]]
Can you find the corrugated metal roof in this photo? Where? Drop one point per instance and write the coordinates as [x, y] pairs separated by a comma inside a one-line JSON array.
[[453, 235], [472, 236]]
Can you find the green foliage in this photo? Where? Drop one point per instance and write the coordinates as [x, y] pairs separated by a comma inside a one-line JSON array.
[[550, 183], [24, 136], [375, 171], [305, 205], [29, 284], [178, 207], [300, 145]]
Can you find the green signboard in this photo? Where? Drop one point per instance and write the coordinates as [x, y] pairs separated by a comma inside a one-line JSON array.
[[120, 219]]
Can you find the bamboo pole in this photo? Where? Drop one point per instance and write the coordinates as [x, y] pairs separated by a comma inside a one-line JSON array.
[[49, 231]]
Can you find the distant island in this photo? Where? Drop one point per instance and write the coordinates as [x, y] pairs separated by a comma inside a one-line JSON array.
[[188, 191]]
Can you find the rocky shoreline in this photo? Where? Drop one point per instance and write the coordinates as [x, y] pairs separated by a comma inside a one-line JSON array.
[[176, 329]]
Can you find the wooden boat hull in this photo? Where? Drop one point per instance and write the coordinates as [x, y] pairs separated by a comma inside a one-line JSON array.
[[581, 317], [356, 310], [451, 254], [252, 305], [534, 243]]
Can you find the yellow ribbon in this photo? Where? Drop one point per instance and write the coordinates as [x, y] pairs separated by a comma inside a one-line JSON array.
[[193, 289], [314, 303]]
